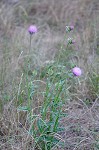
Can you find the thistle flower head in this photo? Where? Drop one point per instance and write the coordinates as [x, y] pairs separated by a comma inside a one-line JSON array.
[[77, 71], [32, 29]]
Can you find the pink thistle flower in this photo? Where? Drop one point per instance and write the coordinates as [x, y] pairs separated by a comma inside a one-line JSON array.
[[77, 71], [32, 29]]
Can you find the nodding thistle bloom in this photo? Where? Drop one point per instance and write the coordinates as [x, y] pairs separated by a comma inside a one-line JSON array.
[[69, 28], [32, 29], [77, 71], [70, 41]]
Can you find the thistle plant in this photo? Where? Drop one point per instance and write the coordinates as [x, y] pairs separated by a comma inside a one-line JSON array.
[[45, 126], [29, 84]]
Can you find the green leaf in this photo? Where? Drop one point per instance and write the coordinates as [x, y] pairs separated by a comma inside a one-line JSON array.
[[41, 125], [23, 108], [60, 129], [32, 131], [32, 118], [56, 123], [63, 115], [97, 145]]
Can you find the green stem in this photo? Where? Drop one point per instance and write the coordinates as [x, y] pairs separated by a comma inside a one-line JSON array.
[[29, 65]]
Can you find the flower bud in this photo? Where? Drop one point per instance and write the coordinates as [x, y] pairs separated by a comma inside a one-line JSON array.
[[69, 28], [70, 41]]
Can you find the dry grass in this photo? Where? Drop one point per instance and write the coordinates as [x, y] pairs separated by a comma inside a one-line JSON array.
[[51, 17]]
